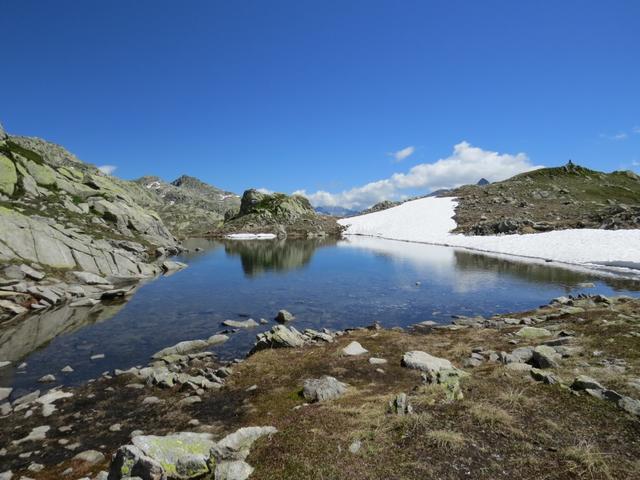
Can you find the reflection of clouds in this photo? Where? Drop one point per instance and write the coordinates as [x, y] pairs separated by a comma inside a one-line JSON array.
[[422, 257], [435, 263], [467, 282]]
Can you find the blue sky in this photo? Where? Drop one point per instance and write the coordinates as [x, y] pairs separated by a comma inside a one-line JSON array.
[[316, 96]]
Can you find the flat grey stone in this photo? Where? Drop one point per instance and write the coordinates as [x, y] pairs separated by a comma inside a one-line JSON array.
[[425, 362], [250, 323]]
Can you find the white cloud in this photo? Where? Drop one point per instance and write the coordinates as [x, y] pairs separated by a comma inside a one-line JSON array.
[[108, 169], [266, 191], [636, 130], [618, 136], [406, 152], [467, 164]]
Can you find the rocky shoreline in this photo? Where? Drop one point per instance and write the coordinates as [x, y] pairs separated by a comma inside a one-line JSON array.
[[505, 395], [26, 289]]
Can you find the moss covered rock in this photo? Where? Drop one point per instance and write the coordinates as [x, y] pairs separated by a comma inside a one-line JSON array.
[[8, 176]]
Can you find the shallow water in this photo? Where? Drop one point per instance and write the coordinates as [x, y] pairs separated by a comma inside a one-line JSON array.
[[324, 283]]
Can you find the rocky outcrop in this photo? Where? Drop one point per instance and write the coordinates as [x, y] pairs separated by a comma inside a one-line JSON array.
[[283, 215], [59, 214], [281, 336], [186, 455], [189, 206], [380, 206]]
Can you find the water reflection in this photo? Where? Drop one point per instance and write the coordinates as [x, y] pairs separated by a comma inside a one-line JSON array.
[[444, 262], [324, 283], [535, 272], [22, 336], [260, 256]]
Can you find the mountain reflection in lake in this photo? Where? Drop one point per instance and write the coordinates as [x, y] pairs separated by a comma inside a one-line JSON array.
[[260, 256], [325, 283]]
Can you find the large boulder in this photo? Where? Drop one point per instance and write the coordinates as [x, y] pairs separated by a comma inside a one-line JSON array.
[[182, 455], [533, 332], [323, 388], [545, 357], [279, 337], [354, 349], [237, 445], [425, 362], [187, 455]]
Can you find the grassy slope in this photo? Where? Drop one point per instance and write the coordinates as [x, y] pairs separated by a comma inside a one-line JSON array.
[[556, 198], [507, 425]]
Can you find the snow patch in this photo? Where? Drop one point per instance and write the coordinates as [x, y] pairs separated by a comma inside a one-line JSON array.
[[430, 220], [251, 236]]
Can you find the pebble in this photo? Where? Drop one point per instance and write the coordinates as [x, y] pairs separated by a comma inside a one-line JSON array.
[[5, 392], [90, 456], [355, 446], [47, 378], [190, 400], [97, 356], [116, 427], [38, 433], [67, 369], [377, 361]]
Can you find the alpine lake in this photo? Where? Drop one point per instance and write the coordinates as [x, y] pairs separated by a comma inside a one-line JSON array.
[[333, 284]]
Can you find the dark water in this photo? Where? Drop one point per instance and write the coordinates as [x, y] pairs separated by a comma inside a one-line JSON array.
[[324, 283]]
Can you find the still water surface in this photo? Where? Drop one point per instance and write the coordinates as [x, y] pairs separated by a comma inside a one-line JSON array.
[[324, 283]]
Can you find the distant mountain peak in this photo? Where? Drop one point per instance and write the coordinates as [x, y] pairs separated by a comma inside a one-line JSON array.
[[188, 181], [483, 181]]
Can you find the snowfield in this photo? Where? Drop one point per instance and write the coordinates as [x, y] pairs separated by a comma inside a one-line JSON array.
[[429, 220], [251, 236]]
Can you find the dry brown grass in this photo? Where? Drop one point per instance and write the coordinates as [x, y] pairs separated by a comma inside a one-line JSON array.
[[514, 397], [446, 440], [491, 415], [587, 461]]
